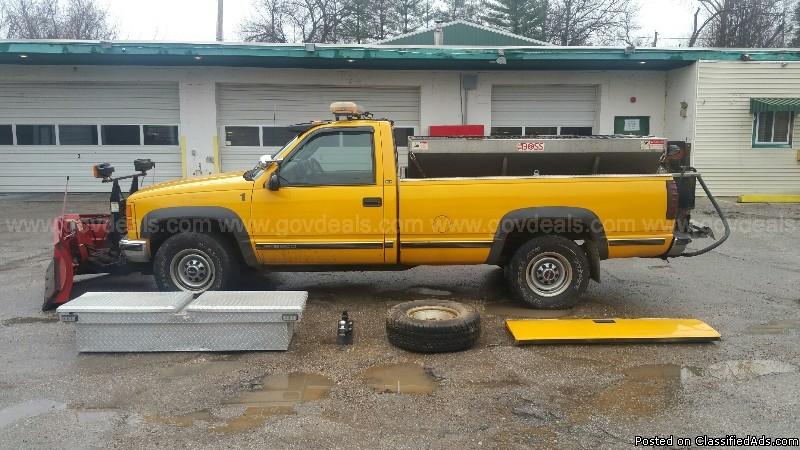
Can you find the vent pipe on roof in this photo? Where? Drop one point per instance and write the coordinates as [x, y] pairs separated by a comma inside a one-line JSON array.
[[438, 34]]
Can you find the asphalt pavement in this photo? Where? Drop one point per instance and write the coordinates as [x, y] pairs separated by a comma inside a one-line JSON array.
[[373, 395]]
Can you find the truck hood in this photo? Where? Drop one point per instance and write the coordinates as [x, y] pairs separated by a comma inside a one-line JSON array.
[[216, 182]]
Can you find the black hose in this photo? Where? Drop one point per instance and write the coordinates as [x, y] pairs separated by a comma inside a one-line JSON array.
[[721, 216]]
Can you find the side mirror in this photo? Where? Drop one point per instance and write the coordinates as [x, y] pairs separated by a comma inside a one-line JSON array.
[[274, 183]]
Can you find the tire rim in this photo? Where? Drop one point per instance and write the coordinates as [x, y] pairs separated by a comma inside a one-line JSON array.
[[192, 270], [549, 274], [432, 313]]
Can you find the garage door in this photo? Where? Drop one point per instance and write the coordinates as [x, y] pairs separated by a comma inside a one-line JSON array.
[[49, 131], [253, 118], [543, 109]]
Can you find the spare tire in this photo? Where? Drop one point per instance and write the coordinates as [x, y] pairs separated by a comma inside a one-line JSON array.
[[433, 326]]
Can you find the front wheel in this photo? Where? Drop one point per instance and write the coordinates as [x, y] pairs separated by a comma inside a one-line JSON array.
[[195, 262], [549, 272]]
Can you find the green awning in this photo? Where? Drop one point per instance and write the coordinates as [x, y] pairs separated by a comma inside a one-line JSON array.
[[758, 105]]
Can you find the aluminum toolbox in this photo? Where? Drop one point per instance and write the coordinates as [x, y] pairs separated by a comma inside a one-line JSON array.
[[173, 321]]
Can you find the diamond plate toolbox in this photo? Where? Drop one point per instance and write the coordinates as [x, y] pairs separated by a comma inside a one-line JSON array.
[[176, 321]]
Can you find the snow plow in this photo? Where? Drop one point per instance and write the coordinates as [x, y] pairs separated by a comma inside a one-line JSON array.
[[90, 243]]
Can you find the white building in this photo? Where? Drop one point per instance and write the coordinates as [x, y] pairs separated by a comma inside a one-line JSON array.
[[202, 108]]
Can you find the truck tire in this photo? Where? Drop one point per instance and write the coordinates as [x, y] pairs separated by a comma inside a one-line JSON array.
[[195, 262], [433, 326], [549, 272]]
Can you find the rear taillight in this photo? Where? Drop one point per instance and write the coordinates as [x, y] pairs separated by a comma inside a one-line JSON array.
[[672, 199]]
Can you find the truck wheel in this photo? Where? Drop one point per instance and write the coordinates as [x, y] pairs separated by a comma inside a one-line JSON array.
[[433, 326], [549, 272], [195, 262]]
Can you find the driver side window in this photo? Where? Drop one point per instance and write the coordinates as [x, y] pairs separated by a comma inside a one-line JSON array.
[[342, 158]]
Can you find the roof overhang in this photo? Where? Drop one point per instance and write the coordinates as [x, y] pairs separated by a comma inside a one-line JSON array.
[[325, 56], [758, 105]]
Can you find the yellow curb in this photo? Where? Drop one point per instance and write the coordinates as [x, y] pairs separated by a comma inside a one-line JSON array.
[[769, 198]]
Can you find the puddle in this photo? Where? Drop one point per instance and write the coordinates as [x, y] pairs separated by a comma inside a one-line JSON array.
[[27, 320], [742, 370], [401, 379], [514, 311], [774, 327], [646, 390], [642, 392], [183, 421], [26, 409], [277, 396]]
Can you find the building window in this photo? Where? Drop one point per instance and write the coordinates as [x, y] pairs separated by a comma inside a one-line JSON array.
[[507, 131], [36, 135], [773, 129], [276, 136], [121, 134], [401, 135], [576, 131], [242, 136], [6, 135], [541, 131], [160, 135], [77, 134]]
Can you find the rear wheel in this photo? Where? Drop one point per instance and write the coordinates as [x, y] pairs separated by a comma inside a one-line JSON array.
[[195, 262], [549, 272]]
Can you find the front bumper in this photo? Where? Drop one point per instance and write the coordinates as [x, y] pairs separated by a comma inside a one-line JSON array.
[[135, 250]]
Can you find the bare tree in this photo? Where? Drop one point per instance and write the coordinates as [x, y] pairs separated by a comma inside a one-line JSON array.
[[54, 19], [585, 22], [741, 23], [460, 10], [796, 25], [268, 24]]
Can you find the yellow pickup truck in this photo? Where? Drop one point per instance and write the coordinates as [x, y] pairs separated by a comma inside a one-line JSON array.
[[332, 199]]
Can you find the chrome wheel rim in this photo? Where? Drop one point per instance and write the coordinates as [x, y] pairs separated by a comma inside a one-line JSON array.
[[432, 313], [192, 270], [549, 274]]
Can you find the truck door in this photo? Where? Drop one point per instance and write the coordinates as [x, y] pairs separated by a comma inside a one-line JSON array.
[[328, 208]]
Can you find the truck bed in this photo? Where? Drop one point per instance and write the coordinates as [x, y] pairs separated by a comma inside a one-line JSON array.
[[432, 211]]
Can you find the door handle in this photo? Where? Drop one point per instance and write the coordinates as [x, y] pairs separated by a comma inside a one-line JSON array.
[[372, 202]]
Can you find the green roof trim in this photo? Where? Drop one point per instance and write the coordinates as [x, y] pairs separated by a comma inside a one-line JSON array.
[[759, 105], [327, 56]]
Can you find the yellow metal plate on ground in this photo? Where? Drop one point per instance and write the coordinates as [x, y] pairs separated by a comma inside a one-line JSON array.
[[580, 331]]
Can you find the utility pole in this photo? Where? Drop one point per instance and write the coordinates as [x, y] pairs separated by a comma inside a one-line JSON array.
[[219, 20], [655, 39]]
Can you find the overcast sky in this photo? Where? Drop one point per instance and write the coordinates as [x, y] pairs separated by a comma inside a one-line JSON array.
[[195, 20]]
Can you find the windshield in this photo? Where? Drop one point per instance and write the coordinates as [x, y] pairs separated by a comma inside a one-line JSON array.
[[256, 171]]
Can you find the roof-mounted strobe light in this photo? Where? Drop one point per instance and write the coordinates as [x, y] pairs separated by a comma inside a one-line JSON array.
[[350, 110]]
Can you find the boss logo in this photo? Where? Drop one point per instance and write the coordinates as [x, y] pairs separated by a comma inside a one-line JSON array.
[[530, 147]]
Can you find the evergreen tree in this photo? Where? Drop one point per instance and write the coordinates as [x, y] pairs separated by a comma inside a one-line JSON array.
[[408, 15], [524, 17]]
